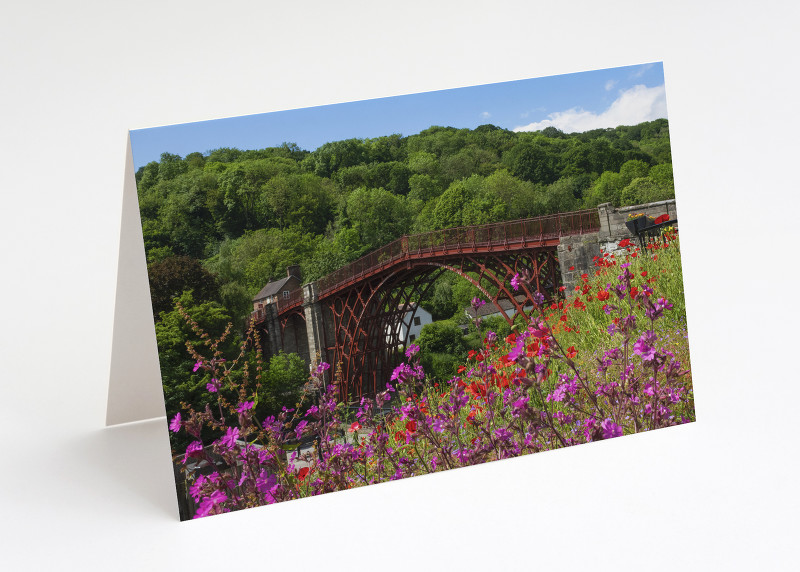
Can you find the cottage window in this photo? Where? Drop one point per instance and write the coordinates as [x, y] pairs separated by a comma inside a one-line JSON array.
[[412, 337], [285, 294], [416, 321]]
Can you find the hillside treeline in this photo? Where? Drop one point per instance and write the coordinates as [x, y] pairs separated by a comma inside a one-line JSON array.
[[239, 218]]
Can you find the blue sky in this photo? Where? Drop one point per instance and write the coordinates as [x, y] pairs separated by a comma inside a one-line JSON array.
[[571, 102]]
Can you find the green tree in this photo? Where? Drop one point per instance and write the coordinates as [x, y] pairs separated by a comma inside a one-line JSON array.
[[174, 275], [286, 375], [533, 160], [443, 348], [645, 190], [378, 216]]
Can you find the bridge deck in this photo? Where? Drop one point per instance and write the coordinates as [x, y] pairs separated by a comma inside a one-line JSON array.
[[526, 233]]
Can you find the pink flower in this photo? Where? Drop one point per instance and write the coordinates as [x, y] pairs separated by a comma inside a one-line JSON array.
[[244, 406], [228, 441], [197, 366], [175, 424], [610, 429], [515, 282], [208, 504], [195, 449]]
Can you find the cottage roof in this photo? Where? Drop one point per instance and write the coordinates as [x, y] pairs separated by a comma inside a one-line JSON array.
[[272, 288]]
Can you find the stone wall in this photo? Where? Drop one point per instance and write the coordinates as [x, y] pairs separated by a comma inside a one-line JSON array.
[[578, 251]]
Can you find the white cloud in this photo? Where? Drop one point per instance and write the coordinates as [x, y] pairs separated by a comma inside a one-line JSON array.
[[610, 84], [641, 71], [634, 105], [485, 115]]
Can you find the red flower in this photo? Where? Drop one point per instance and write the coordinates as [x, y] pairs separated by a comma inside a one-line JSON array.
[[625, 242], [354, 427], [602, 295], [572, 268], [462, 369], [572, 352], [634, 291], [411, 426], [563, 318], [662, 218], [399, 436], [644, 272], [301, 474]]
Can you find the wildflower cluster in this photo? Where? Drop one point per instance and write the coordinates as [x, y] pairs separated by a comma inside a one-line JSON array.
[[599, 365]]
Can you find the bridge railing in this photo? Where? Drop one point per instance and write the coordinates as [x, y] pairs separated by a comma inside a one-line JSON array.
[[295, 299], [465, 238]]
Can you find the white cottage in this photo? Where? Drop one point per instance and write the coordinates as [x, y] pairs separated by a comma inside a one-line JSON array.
[[414, 318]]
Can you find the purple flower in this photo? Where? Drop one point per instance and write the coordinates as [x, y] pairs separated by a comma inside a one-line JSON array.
[[209, 503], [196, 489], [519, 406], [244, 406], [643, 347], [491, 337], [656, 309], [194, 449], [477, 303], [228, 441], [515, 282], [503, 434], [538, 298], [610, 429], [197, 366], [267, 484], [175, 424], [402, 373], [323, 367], [214, 386], [298, 431], [558, 394], [518, 349], [412, 350]]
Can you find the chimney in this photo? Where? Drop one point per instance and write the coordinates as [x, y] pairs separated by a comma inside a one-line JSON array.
[[294, 270]]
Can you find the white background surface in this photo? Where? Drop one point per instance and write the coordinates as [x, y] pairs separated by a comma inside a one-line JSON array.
[[720, 494]]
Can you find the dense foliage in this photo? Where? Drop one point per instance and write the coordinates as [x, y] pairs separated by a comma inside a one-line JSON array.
[[218, 226]]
